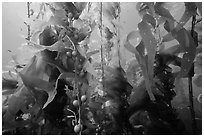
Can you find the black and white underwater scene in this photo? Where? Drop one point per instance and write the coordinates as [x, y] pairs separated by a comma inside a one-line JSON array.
[[102, 68]]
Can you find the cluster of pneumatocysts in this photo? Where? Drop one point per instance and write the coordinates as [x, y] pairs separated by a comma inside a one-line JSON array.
[[76, 103]]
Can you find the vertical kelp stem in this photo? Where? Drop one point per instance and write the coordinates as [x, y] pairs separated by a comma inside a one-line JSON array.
[[190, 86], [79, 109], [101, 48], [28, 8], [119, 10], [76, 88]]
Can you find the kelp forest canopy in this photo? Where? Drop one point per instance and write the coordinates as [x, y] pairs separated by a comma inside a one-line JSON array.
[[86, 77]]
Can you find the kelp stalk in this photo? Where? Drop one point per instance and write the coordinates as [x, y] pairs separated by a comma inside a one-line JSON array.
[[190, 86], [28, 8]]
